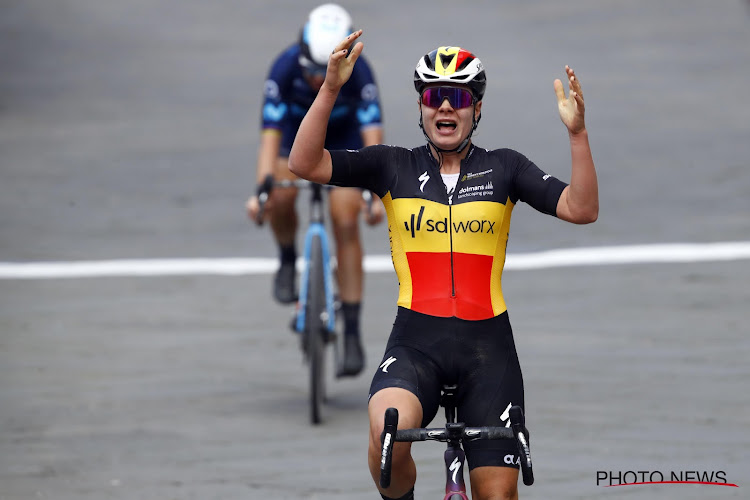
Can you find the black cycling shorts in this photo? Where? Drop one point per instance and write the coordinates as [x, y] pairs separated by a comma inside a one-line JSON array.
[[426, 352]]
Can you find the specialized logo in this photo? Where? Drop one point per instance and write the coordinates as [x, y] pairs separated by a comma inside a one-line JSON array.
[[546, 176], [388, 362], [506, 415], [414, 224], [424, 178], [455, 467]]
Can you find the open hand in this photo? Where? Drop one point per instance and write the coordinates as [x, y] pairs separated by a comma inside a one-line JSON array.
[[341, 62], [571, 109]]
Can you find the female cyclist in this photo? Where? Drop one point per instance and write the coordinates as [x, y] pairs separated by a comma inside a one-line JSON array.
[[449, 205]]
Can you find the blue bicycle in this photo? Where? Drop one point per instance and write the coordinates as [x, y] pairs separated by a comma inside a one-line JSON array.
[[317, 306]]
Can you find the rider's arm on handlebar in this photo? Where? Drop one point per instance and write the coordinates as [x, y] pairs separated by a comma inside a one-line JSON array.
[[268, 153]]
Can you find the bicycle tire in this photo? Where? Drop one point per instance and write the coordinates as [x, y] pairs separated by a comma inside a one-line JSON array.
[[315, 329]]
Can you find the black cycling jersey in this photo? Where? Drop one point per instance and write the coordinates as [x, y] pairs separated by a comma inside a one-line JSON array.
[[448, 250]]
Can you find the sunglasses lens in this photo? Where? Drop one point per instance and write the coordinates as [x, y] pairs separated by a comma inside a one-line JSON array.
[[458, 98]]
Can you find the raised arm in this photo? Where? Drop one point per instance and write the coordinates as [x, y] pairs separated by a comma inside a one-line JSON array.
[[579, 202], [308, 158]]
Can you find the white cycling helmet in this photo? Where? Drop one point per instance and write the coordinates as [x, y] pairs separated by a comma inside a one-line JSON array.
[[326, 26]]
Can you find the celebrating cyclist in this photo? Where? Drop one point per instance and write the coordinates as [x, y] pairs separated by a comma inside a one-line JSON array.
[[449, 206], [295, 78]]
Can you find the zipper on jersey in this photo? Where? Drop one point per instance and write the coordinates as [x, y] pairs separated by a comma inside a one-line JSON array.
[[450, 233], [450, 219]]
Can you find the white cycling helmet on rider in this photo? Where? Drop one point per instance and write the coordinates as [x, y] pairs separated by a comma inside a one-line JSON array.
[[326, 26]]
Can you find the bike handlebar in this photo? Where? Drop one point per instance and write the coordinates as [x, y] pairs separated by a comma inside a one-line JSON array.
[[445, 435], [386, 457], [521, 434], [517, 431], [268, 185]]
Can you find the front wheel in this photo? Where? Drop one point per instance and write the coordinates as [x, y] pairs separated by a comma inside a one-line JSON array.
[[315, 329]]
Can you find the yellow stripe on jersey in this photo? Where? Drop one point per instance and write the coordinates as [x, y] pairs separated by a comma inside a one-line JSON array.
[[479, 227], [421, 225], [496, 283], [398, 254]]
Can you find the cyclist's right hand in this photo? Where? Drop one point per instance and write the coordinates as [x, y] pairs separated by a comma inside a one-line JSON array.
[[257, 205], [253, 209], [341, 61]]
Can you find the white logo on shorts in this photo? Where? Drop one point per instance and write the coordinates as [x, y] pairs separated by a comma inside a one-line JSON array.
[[506, 415]]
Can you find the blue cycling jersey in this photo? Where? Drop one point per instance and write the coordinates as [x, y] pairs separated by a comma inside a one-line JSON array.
[[288, 96]]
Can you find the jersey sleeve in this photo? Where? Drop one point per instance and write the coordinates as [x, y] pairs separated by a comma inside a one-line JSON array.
[[532, 185], [275, 92], [369, 112], [368, 168]]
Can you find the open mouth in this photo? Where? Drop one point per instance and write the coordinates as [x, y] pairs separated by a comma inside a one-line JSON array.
[[446, 125]]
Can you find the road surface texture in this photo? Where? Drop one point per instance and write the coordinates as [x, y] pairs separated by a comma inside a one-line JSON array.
[[129, 130]]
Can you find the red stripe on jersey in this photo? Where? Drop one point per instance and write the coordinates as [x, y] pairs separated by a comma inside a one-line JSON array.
[[432, 286]]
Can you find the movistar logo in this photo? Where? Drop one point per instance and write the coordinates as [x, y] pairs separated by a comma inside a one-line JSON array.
[[274, 113], [417, 221], [369, 115]]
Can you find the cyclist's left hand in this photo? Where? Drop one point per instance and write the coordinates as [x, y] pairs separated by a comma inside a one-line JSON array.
[[373, 210], [571, 108], [341, 62]]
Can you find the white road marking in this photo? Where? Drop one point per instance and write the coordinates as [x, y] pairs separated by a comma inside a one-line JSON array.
[[584, 256]]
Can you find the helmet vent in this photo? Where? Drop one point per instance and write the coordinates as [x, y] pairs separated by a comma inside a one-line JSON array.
[[445, 59]]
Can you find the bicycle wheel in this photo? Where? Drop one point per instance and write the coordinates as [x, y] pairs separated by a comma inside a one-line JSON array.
[[315, 329]]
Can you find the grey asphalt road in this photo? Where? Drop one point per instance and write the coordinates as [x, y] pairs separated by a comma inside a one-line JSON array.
[[129, 130]]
